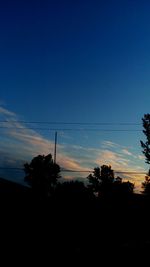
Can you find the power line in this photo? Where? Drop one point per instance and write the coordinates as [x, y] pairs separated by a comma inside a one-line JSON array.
[[71, 123], [69, 170], [72, 129], [90, 171], [126, 172], [11, 168]]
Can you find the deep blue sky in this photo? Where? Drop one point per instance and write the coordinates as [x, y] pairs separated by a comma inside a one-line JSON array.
[[74, 55], [76, 61]]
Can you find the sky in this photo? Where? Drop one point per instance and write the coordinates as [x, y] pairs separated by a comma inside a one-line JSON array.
[[74, 61]]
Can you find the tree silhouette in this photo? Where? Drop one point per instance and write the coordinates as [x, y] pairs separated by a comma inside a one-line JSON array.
[[146, 151], [122, 188], [146, 131], [146, 184], [42, 175], [95, 180], [102, 179]]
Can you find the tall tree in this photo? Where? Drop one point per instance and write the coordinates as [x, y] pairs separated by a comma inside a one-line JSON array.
[[146, 145], [146, 185], [42, 175], [95, 180], [101, 180], [146, 151]]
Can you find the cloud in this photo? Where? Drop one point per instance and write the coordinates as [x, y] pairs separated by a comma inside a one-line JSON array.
[[117, 147], [126, 152], [4, 111], [141, 157], [109, 144], [69, 163], [116, 160]]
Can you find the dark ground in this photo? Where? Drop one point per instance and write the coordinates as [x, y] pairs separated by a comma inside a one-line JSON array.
[[75, 230]]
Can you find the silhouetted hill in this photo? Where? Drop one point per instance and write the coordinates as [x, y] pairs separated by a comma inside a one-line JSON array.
[[11, 192], [7, 186]]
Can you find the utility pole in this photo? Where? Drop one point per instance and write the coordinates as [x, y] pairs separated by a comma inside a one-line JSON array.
[[55, 148]]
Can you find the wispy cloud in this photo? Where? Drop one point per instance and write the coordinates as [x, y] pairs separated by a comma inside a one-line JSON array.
[[141, 157], [126, 152], [116, 160], [6, 112], [107, 144]]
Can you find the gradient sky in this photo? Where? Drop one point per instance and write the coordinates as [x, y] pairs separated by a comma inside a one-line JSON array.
[[75, 61]]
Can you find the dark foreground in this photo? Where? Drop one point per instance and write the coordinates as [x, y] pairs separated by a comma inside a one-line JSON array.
[[75, 230]]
